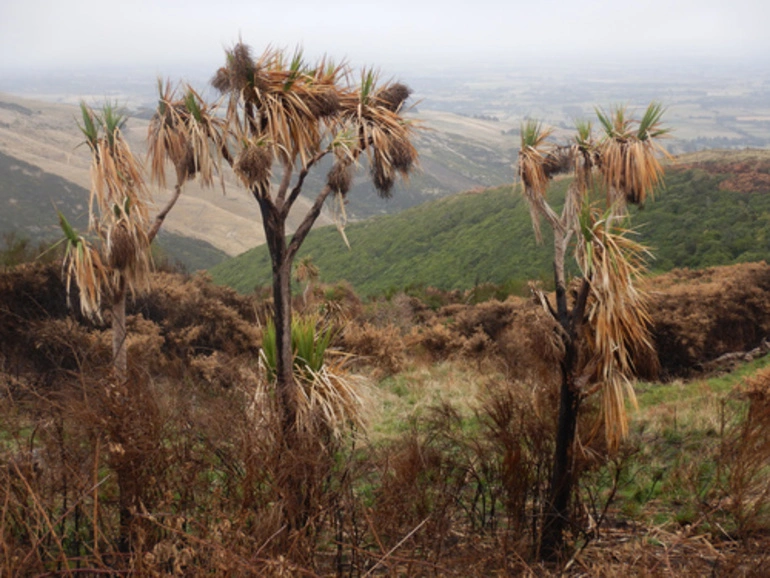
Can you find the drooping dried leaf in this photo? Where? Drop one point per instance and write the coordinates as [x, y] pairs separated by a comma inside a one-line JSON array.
[[120, 250], [558, 161], [617, 332], [383, 180], [403, 155], [253, 164], [393, 96]]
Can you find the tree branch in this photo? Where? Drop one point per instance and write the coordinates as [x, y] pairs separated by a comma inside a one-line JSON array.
[[307, 222], [160, 217], [288, 169], [295, 192], [580, 305]]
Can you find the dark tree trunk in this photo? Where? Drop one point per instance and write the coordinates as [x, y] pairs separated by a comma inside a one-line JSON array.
[[563, 476], [275, 235], [119, 356], [291, 478], [285, 383]]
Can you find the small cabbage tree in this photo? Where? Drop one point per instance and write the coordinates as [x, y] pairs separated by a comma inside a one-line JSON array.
[[113, 258], [604, 328]]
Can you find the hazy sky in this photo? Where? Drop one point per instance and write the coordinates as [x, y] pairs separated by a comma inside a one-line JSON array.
[[45, 34]]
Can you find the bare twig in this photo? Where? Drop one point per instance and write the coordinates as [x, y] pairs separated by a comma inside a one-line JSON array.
[[396, 547]]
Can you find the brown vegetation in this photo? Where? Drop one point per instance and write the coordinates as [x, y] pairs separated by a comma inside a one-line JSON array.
[[746, 171], [196, 438], [701, 315]]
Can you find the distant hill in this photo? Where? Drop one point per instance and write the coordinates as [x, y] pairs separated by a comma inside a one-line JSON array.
[[457, 153], [715, 210], [46, 135], [30, 197]]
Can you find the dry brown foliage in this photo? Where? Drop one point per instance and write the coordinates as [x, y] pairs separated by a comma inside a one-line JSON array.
[[745, 459], [195, 438], [700, 315], [381, 347]]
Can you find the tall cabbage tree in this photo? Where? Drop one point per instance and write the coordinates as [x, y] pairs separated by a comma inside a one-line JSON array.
[[604, 329], [284, 116]]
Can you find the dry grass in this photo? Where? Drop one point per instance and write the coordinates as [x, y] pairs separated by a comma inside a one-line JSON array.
[[449, 482]]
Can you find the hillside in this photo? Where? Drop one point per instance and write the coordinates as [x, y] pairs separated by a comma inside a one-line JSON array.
[[461, 401], [46, 135], [715, 210], [31, 197], [456, 154]]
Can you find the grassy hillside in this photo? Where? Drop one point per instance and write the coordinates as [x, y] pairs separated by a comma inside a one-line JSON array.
[[707, 216], [452, 243], [30, 198]]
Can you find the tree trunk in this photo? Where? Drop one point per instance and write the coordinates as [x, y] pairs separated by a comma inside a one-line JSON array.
[[562, 475], [291, 463], [284, 370], [119, 356]]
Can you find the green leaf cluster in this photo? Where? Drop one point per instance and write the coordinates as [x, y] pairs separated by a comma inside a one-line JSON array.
[[309, 343]]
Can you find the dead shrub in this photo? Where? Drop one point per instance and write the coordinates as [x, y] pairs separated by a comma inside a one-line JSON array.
[[479, 346], [380, 347], [398, 311], [701, 315], [437, 340], [745, 459], [519, 428], [491, 317], [424, 486], [197, 317], [531, 347]]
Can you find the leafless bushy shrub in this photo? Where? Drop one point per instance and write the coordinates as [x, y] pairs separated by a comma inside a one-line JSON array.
[[197, 317]]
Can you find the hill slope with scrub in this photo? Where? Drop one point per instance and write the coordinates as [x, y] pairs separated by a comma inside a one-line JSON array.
[[715, 210]]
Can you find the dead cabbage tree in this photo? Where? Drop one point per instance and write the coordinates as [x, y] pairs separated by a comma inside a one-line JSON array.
[[284, 117], [604, 328]]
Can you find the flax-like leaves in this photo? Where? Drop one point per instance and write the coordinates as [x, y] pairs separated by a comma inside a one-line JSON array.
[[630, 152], [533, 158], [617, 317], [118, 216], [372, 112], [116, 175], [83, 264], [302, 111], [279, 98], [186, 131], [327, 394]]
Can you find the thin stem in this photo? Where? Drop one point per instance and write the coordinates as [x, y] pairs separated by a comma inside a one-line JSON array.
[[161, 217]]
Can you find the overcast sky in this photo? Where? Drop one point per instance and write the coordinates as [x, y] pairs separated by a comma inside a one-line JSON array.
[[46, 34]]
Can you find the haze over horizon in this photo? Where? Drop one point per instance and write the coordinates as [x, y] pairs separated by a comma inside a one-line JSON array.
[[172, 37]]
